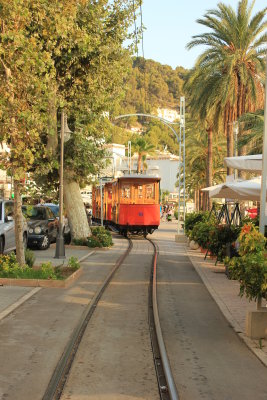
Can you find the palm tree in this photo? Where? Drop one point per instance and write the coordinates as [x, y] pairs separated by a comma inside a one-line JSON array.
[[142, 147], [233, 65], [196, 163], [253, 125]]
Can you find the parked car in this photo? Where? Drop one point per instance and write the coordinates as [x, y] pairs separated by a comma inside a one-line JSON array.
[[42, 224], [66, 228], [7, 227]]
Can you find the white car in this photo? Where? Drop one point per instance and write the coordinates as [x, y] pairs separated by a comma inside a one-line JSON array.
[[7, 227]]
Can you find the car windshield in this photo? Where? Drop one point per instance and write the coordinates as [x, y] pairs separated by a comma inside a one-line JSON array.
[[54, 209], [34, 213]]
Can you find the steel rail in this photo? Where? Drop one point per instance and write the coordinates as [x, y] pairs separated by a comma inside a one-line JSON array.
[[59, 377], [162, 349]]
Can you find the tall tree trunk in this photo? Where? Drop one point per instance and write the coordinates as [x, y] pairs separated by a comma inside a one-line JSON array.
[[75, 209], [200, 200], [209, 172], [229, 136], [18, 217], [196, 199]]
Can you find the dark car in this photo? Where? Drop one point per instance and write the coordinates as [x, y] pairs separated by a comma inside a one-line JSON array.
[[66, 228], [42, 224]]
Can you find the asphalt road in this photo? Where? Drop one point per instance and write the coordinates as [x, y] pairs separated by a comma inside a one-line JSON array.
[[208, 359]]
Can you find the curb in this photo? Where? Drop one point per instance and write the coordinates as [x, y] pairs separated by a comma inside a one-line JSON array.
[[27, 296], [227, 314]]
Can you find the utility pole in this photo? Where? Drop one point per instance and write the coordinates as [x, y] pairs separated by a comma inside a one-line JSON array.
[[263, 211], [130, 157], [181, 172]]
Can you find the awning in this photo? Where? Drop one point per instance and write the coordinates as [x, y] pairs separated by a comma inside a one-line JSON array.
[[238, 190], [245, 163]]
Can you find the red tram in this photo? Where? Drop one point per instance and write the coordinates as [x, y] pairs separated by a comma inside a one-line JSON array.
[[130, 203]]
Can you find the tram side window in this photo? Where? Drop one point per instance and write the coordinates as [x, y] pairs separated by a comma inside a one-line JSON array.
[[150, 191], [140, 191], [125, 192]]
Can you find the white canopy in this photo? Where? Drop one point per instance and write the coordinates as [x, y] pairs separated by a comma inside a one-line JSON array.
[[245, 163], [237, 190]]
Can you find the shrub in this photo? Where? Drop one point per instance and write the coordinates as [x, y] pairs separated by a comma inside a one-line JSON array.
[[100, 238], [201, 233], [9, 268], [73, 263], [219, 237], [80, 242], [250, 269], [192, 219], [29, 258]]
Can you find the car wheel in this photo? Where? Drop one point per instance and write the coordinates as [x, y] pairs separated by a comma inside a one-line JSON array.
[[45, 243], [2, 246], [25, 241]]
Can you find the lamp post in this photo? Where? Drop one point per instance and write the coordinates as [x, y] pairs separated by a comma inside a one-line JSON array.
[[263, 211], [64, 137]]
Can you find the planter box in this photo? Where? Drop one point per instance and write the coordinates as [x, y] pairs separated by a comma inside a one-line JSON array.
[[256, 324], [46, 283]]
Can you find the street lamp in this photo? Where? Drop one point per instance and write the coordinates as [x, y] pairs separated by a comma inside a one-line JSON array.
[[263, 211], [64, 137]]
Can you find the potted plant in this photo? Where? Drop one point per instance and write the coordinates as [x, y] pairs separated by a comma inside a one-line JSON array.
[[250, 269]]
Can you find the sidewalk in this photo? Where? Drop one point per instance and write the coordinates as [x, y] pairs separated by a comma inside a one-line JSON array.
[[225, 292], [13, 296], [79, 252]]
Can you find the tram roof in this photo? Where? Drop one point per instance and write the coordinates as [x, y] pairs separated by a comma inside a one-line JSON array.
[[140, 176]]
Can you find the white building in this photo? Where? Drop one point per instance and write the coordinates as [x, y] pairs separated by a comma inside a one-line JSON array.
[[163, 164], [168, 114]]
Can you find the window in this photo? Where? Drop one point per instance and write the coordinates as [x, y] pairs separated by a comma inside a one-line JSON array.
[[50, 214], [9, 210], [140, 192], [125, 192], [150, 191]]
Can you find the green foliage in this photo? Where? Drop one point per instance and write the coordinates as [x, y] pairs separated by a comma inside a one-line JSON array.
[[9, 268], [100, 238], [220, 236], [150, 86], [29, 257], [191, 219], [73, 263], [201, 233], [80, 242], [250, 269]]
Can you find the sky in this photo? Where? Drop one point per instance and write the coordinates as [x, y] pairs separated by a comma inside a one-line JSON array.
[[170, 25]]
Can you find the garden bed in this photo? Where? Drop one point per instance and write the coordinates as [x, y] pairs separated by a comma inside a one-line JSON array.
[[69, 277]]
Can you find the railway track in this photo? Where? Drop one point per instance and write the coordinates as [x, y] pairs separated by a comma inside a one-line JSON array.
[[166, 386]]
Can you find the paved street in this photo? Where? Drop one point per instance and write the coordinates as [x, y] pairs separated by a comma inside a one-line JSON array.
[[208, 352]]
